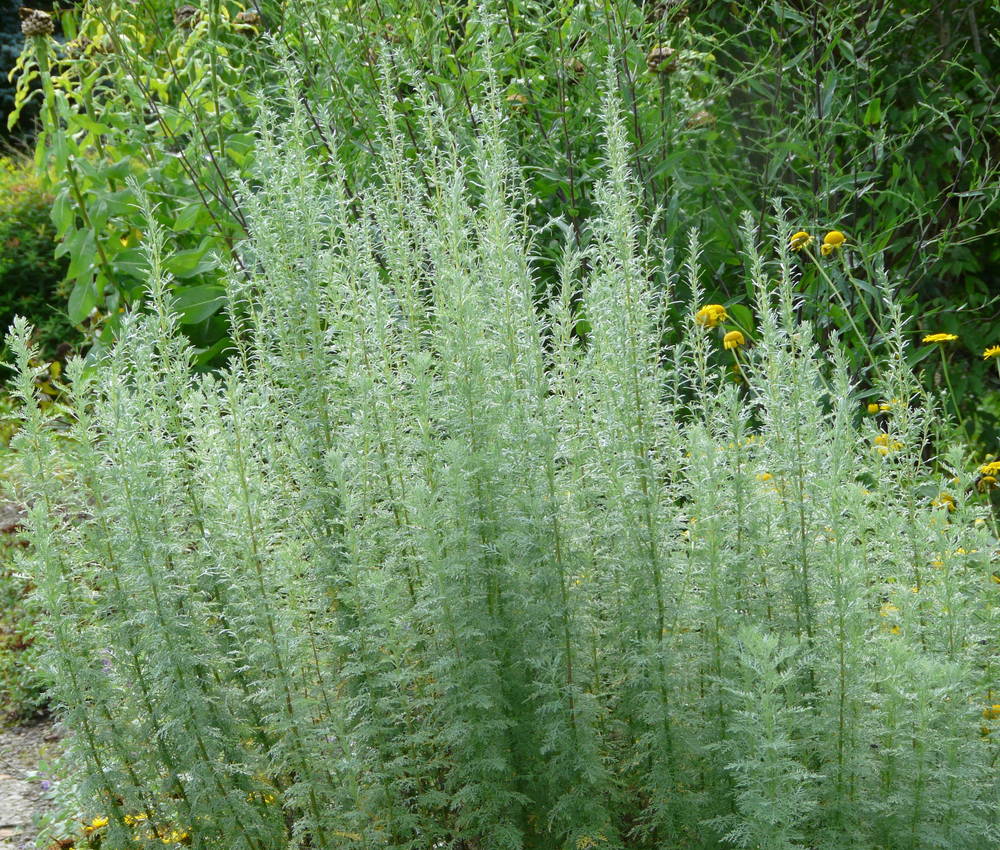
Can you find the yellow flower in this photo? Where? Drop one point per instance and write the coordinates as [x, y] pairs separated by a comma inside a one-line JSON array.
[[944, 500], [873, 408], [95, 824], [826, 250], [711, 315], [834, 239], [992, 351], [800, 240], [987, 482], [733, 339], [132, 820], [991, 712], [891, 611], [940, 338], [990, 468], [765, 476]]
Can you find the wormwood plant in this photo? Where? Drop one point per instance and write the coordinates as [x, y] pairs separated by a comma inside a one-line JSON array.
[[425, 567]]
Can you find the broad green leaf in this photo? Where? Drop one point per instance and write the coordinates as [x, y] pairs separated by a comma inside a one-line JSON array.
[[873, 114], [196, 303], [82, 299]]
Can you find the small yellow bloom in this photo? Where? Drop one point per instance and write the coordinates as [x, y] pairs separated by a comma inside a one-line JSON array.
[[990, 468], [765, 476], [873, 408], [800, 240], [826, 250], [991, 712], [987, 482], [992, 351], [944, 500], [733, 339], [885, 445], [132, 820], [711, 315], [95, 824], [834, 239], [940, 338]]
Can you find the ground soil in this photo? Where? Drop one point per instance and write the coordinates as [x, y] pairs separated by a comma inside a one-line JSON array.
[[23, 751]]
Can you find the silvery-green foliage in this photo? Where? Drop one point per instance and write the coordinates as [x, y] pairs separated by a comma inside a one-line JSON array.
[[432, 565]]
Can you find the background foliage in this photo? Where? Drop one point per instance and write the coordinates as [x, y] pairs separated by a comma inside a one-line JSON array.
[[875, 119], [31, 276]]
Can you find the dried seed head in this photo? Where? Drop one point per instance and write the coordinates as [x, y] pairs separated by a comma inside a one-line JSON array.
[[35, 22], [575, 69], [186, 16], [702, 118], [662, 59], [667, 10], [248, 22]]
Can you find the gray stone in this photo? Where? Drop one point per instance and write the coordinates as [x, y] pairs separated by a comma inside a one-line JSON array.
[[16, 803]]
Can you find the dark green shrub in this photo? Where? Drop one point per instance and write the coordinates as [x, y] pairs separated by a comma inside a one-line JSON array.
[[30, 273], [21, 693]]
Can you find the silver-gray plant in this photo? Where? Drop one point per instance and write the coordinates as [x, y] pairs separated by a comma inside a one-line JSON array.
[[435, 562]]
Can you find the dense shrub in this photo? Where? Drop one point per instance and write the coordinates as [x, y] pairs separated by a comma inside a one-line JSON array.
[[30, 274], [430, 564], [21, 687]]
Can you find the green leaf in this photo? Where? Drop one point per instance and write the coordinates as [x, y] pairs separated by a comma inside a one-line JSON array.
[[62, 213], [192, 262], [82, 299], [196, 303], [188, 217], [132, 262], [205, 357], [742, 316], [873, 114]]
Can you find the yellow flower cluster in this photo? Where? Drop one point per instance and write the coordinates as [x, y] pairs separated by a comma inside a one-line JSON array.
[[992, 468], [940, 338], [884, 445], [171, 836], [96, 824], [831, 242], [711, 315]]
